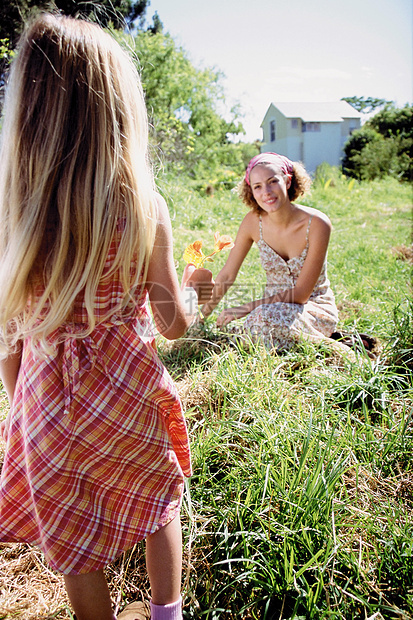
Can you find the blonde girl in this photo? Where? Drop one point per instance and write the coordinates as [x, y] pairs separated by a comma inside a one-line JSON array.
[[96, 442], [292, 240]]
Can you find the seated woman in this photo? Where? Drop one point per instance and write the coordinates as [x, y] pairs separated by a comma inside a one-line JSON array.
[[292, 240]]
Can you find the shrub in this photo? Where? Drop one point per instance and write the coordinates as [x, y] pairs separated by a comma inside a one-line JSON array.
[[382, 147]]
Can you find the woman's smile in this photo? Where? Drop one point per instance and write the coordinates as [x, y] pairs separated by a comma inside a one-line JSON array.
[[269, 187]]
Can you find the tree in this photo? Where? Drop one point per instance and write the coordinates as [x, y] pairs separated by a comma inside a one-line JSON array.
[[383, 146], [118, 13], [157, 25], [393, 121], [13, 13], [366, 104], [188, 134], [187, 129]]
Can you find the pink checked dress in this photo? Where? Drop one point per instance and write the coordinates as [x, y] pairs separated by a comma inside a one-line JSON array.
[[98, 448], [280, 324]]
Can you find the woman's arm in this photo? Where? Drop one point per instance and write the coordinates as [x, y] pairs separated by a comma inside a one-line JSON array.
[[319, 237], [174, 306], [226, 277]]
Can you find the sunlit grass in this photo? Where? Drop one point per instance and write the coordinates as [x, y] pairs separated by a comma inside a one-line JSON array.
[[297, 493], [369, 220], [301, 503]]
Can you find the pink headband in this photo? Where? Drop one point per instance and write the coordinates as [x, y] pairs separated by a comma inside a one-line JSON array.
[[283, 163]]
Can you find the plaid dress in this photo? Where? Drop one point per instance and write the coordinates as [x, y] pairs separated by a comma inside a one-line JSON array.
[[98, 448]]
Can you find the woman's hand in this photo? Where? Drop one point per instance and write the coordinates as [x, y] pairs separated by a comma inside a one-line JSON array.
[[231, 314], [200, 280]]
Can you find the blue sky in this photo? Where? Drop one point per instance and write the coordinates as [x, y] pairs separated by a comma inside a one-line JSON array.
[[296, 50]]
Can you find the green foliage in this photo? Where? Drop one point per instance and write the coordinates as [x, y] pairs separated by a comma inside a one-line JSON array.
[[377, 158], [5, 50], [371, 391], [189, 135], [399, 347], [392, 122], [329, 176], [116, 13], [293, 507], [157, 25], [382, 147], [269, 505], [366, 104]]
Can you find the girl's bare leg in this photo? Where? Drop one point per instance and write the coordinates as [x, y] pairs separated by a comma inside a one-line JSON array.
[[89, 596], [164, 563]]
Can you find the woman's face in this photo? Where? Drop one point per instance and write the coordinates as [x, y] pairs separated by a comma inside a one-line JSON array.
[[269, 187]]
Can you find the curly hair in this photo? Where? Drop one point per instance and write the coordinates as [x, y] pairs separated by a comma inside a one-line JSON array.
[[300, 184]]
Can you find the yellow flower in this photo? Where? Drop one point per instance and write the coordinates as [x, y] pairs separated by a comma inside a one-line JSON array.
[[194, 255]]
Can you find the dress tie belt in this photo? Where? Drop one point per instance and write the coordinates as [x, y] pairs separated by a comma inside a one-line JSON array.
[[80, 354]]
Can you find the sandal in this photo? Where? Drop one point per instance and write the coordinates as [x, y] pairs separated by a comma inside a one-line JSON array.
[[356, 340]]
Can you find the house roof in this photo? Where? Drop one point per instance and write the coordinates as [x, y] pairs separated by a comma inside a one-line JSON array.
[[324, 112]]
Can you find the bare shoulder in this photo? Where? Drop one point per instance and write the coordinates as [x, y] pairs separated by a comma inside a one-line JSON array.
[[319, 219], [163, 220], [161, 207], [249, 228]]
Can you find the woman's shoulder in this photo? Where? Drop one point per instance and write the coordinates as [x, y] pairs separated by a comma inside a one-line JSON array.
[[315, 215], [250, 226], [251, 217]]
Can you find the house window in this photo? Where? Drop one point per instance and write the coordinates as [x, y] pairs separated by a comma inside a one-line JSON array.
[[311, 127], [294, 123], [272, 131]]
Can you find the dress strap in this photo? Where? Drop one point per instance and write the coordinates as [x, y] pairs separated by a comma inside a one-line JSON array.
[[260, 225], [308, 228]]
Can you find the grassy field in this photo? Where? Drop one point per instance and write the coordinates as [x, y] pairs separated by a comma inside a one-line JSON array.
[[301, 503]]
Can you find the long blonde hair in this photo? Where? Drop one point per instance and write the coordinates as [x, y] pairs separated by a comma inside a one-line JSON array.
[[73, 161]]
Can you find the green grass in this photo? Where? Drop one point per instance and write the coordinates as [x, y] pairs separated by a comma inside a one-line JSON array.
[[302, 499], [302, 496], [369, 221], [301, 503]]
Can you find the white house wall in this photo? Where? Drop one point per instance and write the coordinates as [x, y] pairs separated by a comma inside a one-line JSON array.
[[347, 127], [310, 147], [288, 141], [322, 146], [291, 147], [281, 125]]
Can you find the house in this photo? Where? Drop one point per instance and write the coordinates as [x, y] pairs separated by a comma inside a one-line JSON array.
[[312, 133]]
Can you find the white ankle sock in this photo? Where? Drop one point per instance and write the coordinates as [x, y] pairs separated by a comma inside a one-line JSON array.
[[172, 611]]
